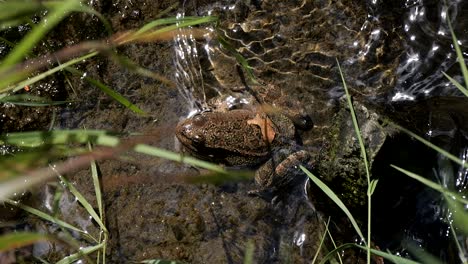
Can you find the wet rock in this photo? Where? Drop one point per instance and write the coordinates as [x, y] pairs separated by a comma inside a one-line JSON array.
[[340, 164]]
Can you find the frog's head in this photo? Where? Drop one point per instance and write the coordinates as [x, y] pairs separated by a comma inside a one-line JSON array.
[[191, 132]]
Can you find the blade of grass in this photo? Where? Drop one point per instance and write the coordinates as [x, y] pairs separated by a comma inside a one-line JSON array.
[[82, 200], [460, 216], [45, 216], [110, 92], [321, 241], [83, 9], [10, 75], [334, 245], [9, 43], [38, 32], [41, 138], [432, 185], [429, 144], [334, 198], [19, 239], [179, 22], [85, 251], [166, 154], [12, 10], [370, 185], [97, 186], [239, 58], [98, 137], [159, 261], [461, 61], [249, 252], [421, 254], [134, 67], [30, 100], [462, 254], [98, 195], [456, 84], [38, 77], [396, 259]]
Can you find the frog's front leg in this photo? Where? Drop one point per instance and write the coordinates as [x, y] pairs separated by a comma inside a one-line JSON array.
[[281, 169]]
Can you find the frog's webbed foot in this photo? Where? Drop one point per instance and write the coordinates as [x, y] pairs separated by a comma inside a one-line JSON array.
[[280, 171]]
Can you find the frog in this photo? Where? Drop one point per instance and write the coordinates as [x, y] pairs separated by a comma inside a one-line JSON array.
[[243, 134]]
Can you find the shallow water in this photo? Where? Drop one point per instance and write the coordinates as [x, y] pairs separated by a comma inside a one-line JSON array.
[[394, 53], [429, 50], [391, 52]]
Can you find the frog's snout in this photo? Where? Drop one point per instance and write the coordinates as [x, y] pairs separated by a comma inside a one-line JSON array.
[[188, 136]]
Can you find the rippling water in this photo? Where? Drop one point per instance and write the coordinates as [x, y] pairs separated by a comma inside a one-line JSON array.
[[287, 50], [429, 50]]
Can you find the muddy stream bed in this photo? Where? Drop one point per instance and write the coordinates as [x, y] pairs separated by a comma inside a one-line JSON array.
[[392, 54]]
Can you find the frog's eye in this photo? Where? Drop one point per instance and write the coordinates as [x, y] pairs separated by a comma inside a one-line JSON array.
[[199, 120], [198, 138]]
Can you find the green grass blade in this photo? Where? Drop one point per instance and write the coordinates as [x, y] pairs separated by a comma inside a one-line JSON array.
[[98, 195], [434, 147], [37, 33], [19, 239], [30, 100], [249, 252], [355, 124], [42, 138], [422, 255], [110, 92], [239, 58], [134, 67], [180, 22], [394, 258], [460, 58], [13, 10], [335, 199], [460, 216], [432, 185], [82, 200], [166, 154], [44, 216], [335, 246], [9, 43], [98, 137], [461, 249], [456, 84], [321, 241], [159, 261], [85, 251], [370, 185], [97, 186], [21, 76]]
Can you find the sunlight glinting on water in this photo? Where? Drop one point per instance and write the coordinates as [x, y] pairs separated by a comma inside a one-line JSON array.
[[188, 73], [420, 70]]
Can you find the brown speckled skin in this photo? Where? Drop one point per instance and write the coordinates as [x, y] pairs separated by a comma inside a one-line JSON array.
[[228, 138]]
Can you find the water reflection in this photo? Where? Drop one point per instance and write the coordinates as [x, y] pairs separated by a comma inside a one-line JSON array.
[[429, 50], [188, 75]]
